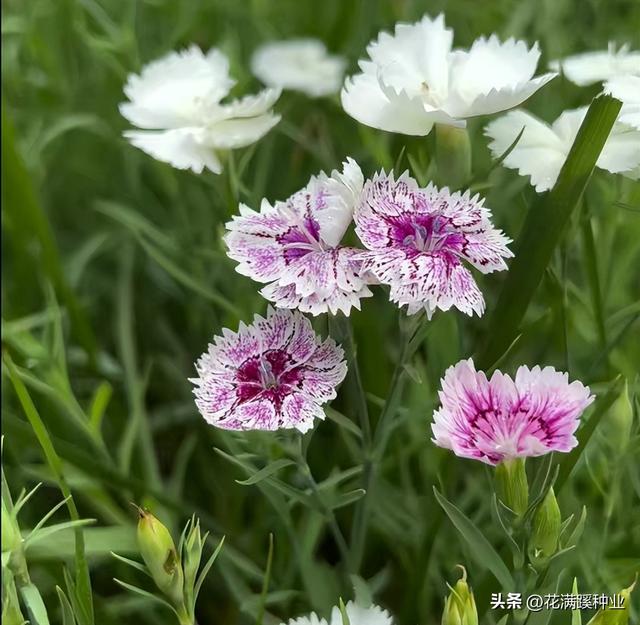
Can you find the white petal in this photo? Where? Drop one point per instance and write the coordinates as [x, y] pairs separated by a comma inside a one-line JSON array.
[[343, 192], [252, 105], [239, 132], [621, 152], [590, 67], [539, 153], [181, 148], [503, 99], [627, 90], [492, 76], [364, 99], [299, 64], [172, 91], [415, 57], [358, 615]]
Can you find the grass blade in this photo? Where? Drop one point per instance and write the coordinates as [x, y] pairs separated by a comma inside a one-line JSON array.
[[543, 229]]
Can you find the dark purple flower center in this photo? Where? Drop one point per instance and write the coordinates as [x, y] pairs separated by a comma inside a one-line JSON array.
[[300, 239], [271, 376]]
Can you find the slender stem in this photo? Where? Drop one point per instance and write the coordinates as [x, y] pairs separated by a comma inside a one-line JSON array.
[[342, 332], [326, 510], [378, 446]]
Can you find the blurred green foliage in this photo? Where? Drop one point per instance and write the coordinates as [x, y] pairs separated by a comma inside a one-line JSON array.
[[115, 278]]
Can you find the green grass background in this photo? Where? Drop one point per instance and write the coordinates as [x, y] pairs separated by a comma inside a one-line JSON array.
[[115, 278]]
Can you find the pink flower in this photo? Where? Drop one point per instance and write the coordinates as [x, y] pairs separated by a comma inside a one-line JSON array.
[[275, 373], [500, 419], [418, 239], [294, 246]]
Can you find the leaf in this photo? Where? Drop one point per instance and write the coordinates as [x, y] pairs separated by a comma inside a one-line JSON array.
[[485, 554], [346, 499], [266, 472], [144, 593], [35, 606], [68, 617], [602, 405], [543, 229], [206, 568], [41, 534], [136, 565], [576, 618], [265, 583]]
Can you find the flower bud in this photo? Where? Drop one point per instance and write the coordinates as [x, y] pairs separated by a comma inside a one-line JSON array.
[[512, 486], [546, 529], [460, 606], [616, 615], [620, 421], [453, 156], [159, 554]]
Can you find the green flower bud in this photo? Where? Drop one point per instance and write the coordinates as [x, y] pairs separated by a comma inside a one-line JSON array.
[[460, 606], [159, 554], [512, 486], [614, 615], [453, 156], [620, 421], [546, 529], [11, 539]]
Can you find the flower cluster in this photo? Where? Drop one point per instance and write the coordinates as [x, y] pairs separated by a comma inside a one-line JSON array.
[[543, 149], [416, 241]]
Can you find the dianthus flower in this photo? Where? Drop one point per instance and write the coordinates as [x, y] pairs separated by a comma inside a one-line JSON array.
[[415, 79], [275, 373], [176, 101], [503, 418], [358, 615], [418, 240], [294, 245]]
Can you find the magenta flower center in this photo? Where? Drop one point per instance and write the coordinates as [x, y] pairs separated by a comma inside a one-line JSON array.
[[425, 233], [272, 376]]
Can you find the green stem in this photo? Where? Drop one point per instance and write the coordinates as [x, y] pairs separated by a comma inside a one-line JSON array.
[[304, 467], [83, 579], [377, 449]]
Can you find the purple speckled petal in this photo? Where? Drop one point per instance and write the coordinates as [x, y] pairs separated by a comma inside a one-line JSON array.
[[275, 373], [497, 419], [417, 240]]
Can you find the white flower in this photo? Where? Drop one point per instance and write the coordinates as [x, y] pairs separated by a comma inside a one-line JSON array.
[[543, 149], [591, 67], [358, 615], [414, 79], [300, 65], [176, 102], [627, 90]]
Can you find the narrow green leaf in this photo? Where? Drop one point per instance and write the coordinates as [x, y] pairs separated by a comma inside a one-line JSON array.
[[576, 618], [205, 570], [482, 550], [265, 583], [35, 605], [543, 229], [266, 472], [46, 532], [132, 563], [68, 617]]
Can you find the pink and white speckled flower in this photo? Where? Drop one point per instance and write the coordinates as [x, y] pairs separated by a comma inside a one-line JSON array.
[[294, 246], [418, 239], [501, 418], [275, 373]]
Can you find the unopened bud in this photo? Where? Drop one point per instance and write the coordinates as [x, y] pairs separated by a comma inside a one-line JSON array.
[[512, 486], [616, 613], [546, 529], [620, 421], [159, 554], [460, 606]]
